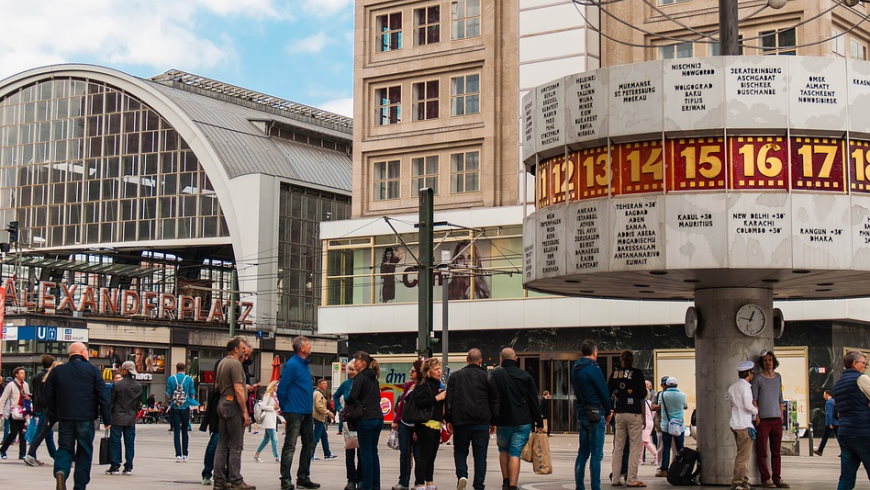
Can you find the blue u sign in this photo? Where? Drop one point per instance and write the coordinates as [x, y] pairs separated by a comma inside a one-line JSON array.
[[46, 333]]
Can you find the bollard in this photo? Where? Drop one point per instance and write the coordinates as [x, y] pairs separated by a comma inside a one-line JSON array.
[[810, 437]]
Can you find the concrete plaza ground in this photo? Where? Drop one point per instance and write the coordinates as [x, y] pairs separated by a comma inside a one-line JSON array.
[[155, 467]]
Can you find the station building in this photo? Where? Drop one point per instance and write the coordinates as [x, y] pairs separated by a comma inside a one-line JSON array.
[[411, 59], [150, 212]]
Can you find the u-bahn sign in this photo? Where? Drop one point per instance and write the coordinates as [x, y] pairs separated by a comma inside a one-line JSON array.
[[685, 168]]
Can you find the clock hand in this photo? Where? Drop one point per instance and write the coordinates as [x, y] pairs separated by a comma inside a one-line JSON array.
[[752, 315]]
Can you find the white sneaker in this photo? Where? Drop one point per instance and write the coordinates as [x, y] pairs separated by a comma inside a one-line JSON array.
[[184, 459], [257, 459], [460, 485], [179, 459], [277, 460]]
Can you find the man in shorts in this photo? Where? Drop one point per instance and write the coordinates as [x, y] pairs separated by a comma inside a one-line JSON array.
[[518, 409]]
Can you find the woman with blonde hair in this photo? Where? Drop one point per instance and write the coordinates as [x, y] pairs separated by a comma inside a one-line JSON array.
[[428, 398], [269, 405]]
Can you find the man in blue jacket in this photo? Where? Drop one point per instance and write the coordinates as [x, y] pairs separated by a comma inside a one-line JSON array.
[[832, 423], [179, 393], [75, 396], [296, 398], [593, 412]]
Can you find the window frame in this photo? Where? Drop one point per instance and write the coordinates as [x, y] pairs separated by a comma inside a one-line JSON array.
[[420, 180], [464, 95], [384, 105], [463, 20], [384, 32], [464, 173], [675, 50], [777, 48], [426, 104], [382, 186], [428, 26], [853, 43]]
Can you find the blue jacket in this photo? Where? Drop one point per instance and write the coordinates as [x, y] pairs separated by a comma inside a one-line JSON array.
[[296, 391], [853, 406], [186, 383], [75, 391], [589, 386], [343, 390], [830, 411]]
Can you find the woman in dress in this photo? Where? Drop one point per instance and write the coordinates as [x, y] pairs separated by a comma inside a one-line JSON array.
[[269, 404]]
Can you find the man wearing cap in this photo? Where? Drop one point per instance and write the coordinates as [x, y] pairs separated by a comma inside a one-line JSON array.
[[743, 412], [767, 393], [125, 403], [673, 403]]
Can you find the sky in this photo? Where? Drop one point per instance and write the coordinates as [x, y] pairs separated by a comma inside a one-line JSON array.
[[301, 50]]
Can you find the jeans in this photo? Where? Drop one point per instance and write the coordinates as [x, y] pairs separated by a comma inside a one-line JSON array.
[[592, 449], [478, 437], [16, 429], [45, 433], [369, 431], [406, 449], [321, 437], [115, 434], [268, 437], [75, 441], [228, 454], [854, 451], [769, 432], [512, 439], [179, 419], [667, 440], [298, 425], [208, 461]]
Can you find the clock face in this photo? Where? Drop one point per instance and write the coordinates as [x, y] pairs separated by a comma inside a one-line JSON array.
[[751, 319], [691, 324]]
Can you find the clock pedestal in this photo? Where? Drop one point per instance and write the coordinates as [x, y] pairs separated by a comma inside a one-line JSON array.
[[719, 346]]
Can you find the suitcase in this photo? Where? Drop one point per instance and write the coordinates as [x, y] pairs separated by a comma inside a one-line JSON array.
[[104, 449]]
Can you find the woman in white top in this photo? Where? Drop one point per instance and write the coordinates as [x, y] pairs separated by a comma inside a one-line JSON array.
[[270, 407], [11, 401]]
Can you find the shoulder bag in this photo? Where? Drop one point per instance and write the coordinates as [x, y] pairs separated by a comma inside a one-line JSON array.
[[412, 413], [591, 414], [675, 426]]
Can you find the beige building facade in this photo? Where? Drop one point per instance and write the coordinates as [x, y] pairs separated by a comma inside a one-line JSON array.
[[679, 29]]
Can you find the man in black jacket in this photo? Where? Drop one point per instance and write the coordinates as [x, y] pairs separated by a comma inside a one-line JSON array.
[[75, 395], [43, 427], [125, 404], [628, 390], [470, 403], [516, 410]]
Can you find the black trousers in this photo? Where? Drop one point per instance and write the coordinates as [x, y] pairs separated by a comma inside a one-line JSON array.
[[16, 428], [425, 450], [826, 435]]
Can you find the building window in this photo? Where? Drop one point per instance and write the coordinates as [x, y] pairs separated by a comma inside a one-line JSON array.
[[838, 43], [857, 50], [389, 105], [389, 31], [466, 18], [465, 95], [427, 25], [386, 180], [465, 172], [781, 41], [682, 50], [426, 100], [424, 173], [671, 2], [716, 49]]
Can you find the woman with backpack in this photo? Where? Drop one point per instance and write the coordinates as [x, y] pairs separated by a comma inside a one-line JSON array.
[[14, 405], [425, 408], [269, 420], [364, 402]]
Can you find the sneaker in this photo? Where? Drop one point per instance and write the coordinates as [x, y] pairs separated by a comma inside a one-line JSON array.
[[31, 461], [60, 481], [258, 459], [331, 457], [817, 453], [277, 459], [353, 486], [179, 459], [307, 483], [398, 487], [127, 472], [431, 487], [3, 456], [315, 458], [768, 484], [460, 485], [184, 459], [113, 471], [206, 481], [782, 484]]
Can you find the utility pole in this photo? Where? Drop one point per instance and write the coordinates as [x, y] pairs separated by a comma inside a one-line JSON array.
[[445, 293], [728, 40], [424, 298], [234, 298]]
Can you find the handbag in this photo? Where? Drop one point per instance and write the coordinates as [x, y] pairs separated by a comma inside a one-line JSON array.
[[104, 449], [352, 413], [393, 439], [675, 426], [351, 439], [412, 413]]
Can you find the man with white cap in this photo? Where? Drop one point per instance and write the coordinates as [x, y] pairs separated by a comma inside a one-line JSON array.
[[743, 412], [125, 403], [673, 406]]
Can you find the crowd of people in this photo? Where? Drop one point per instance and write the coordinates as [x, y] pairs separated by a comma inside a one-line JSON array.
[[474, 405]]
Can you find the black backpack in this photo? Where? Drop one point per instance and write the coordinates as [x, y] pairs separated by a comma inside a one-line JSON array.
[[685, 469]]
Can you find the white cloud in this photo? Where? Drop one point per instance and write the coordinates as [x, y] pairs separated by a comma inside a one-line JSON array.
[[312, 44], [157, 34], [326, 7], [339, 106]]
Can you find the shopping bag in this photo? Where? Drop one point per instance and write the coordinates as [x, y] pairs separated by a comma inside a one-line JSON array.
[[541, 462], [351, 441], [104, 449], [526, 455], [393, 439], [30, 434]]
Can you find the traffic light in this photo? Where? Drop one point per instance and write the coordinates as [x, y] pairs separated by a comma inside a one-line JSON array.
[[13, 231]]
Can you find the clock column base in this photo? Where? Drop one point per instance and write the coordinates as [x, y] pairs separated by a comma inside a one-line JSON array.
[[719, 346]]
